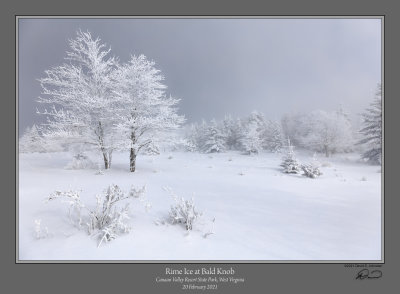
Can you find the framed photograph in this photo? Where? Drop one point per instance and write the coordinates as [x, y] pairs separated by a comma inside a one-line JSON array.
[[172, 148], [200, 139]]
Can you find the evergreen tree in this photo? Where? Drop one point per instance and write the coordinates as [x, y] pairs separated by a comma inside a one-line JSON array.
[[196, 135], [372, 129], [272, 136], [250, 141], [289, 162], [232, 131], [215, 140], [31, 141]]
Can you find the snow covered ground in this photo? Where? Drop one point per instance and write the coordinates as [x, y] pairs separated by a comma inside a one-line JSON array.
[[260, 213]]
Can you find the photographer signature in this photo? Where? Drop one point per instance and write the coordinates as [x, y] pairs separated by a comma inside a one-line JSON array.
[[366, 274]]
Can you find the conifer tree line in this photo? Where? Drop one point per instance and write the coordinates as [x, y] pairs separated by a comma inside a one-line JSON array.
[[319, 131], [249, 135]]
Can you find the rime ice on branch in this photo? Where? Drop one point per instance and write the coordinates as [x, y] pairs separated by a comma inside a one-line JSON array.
[[80, 95], [144, 111]]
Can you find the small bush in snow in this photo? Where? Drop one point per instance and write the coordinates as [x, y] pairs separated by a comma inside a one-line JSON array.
[[183, 211], [108, 219], [311, 171], [39, 233], [80, 161], [363, 179], [99, 170]]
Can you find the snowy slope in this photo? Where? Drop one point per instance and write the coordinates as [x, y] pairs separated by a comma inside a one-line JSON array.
[[260, 213]]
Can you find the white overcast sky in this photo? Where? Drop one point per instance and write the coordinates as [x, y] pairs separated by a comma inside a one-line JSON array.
[[221, 66]]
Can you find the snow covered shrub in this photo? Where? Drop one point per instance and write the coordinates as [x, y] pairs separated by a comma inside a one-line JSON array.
[[73, 199], [311, 171], [39, 233], [184, 211], [99, 172], [80, 161], [108, 219], [289, 162]]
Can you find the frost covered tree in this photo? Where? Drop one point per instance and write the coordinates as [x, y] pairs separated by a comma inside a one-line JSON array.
[[372, 129], [214, 139], [144, 111], [321, 131], [232, 130], [329, 133], [256, 118], [289, 161], [272, 136], [31, 141], [196, 135], [80, 95], [295, 126], [251, 129], [250, 141]]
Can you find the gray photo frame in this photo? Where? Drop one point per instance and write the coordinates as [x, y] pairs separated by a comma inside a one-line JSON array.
[[343, 275]]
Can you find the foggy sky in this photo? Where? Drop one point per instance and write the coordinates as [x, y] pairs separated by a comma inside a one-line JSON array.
[[221, 66]]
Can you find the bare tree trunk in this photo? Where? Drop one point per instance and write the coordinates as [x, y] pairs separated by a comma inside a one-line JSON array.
[[132, 157], [132, 161], [106, 161], [109, 158], [326, 151], [106, 157]]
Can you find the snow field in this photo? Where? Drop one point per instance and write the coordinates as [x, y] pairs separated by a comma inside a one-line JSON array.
[[260, 213]]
